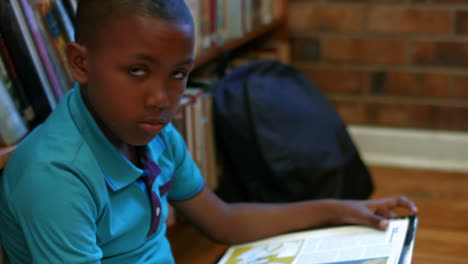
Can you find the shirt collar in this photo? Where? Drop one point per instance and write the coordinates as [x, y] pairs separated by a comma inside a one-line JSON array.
[[117, 169]]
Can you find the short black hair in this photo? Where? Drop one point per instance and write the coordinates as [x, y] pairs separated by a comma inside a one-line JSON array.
[[91, 14]]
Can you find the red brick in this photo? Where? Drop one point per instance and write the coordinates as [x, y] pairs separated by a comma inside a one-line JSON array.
[[441, 1], [308, 17], [352, 112], [461, 87], [366, 1], [364, 50], [414, 21], [461, 22], [387, 114], [433, 85], [415, 84], [431, 53], [394, 84], [337, 81], [444, 117], [450, 117], [306, 49], [420, 116]]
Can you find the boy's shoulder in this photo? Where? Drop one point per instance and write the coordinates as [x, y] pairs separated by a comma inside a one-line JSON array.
[[56, 138], [55, 142], [50, 157], [171, 138]]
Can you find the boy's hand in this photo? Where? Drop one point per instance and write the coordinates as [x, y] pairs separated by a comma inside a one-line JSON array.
[[373, 212]]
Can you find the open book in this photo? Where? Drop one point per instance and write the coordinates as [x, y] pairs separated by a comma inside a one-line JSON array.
[[338, 245]]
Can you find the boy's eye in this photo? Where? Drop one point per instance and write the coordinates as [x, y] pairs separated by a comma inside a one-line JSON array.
[[137, 71], [179, 75]]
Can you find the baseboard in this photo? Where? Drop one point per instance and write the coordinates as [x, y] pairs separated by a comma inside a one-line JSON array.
[[412, 148]]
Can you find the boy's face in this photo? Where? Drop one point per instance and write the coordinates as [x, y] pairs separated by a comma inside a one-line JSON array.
[[136, 74]]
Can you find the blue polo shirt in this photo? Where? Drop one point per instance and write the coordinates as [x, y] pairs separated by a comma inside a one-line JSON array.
[[68, 196]]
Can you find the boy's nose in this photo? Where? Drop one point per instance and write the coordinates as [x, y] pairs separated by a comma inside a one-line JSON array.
[[157, 97]]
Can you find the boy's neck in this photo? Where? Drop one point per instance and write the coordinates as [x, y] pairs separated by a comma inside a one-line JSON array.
[[129, 151]]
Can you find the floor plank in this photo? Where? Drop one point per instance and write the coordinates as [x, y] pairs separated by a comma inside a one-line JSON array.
[[442, 199], [442, 235]]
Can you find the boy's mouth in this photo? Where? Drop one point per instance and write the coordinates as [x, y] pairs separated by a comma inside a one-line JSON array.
[[152, 127]]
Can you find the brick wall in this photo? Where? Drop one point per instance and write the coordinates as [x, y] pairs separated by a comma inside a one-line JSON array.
[[399, 63]]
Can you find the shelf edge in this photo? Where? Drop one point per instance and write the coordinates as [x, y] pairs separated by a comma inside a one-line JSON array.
[[210, 54]]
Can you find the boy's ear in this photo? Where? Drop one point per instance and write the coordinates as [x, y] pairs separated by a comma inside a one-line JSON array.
[[77, 56]]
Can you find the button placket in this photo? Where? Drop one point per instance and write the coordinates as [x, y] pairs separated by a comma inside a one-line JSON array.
[[149, 176]]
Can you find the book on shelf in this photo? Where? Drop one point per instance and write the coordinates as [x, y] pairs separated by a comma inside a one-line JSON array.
[[234, 20], [70, 7], [33, 43], [194, 122], [206, 23], [17, 39], [350, 244], [65, 16], [178, 121], [218, 21], [14, 87], [194, 7], [48, 59], [56, 35], [210, 146], [13, 127], [50, 40], [196, 118]]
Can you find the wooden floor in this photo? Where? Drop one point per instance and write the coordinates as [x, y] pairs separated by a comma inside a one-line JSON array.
[[442, 235]]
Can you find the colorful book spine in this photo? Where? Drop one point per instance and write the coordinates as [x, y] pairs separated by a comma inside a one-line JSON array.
[[194, 6], [8, 84], [196, 120], [53, 32], [29, 68], [70, 7], [213, 23], [41, 48], [205, 23], [279, 8], [247, 16], [8, 72], [179, 120], [235, 20], [256, 13], [220, 22], [66, 20], [74, 4], [13, 128], [209, 141]]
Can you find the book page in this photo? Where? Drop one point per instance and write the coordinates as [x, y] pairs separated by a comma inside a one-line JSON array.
[[338, 245]]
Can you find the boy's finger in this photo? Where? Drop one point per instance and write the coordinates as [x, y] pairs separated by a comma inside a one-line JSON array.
[[378, 222], [375, 221], [384, 212], [402, 201]]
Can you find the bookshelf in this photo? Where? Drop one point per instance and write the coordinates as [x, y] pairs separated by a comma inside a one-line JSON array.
[[211, 54], [204, 57]]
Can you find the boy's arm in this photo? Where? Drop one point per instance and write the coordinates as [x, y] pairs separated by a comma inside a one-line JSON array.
[[57, 217], [242, 222]]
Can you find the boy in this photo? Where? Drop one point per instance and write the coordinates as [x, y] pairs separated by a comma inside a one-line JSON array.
[[91, 185]]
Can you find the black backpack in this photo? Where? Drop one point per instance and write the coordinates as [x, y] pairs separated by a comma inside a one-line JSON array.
[[280, 139]]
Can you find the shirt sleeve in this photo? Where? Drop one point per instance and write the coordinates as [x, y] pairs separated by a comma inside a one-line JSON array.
[[188, 180], [58, 216]]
